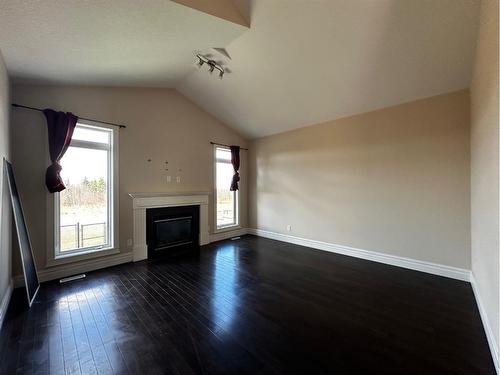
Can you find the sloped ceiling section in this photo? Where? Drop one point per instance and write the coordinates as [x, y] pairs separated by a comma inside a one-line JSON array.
[[124, 43], [305, 62], [301, 62], [225, 9]]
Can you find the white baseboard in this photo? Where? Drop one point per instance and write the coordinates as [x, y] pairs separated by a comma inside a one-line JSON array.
[[412, 264], [65, 270], [487, 328], [228, 234], [4, 305]]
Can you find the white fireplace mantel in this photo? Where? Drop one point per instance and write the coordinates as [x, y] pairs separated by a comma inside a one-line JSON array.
[[143, 201]]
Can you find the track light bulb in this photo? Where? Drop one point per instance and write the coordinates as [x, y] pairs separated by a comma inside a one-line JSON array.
[[212, 65]]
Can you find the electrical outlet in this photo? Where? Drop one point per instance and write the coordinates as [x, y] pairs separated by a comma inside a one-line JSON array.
[[289, 227], [178, 179], [169, 179], [129, 242]]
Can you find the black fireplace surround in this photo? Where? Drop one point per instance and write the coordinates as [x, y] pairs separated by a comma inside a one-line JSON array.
[[172, 231]]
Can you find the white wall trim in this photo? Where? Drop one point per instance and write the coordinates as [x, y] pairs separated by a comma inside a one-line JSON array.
[[4, 305], [412, 264], [65, 270], [487, 328], [228, 234]]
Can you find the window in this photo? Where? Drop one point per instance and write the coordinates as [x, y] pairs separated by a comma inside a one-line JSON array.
[[85, 210], [226, 201]]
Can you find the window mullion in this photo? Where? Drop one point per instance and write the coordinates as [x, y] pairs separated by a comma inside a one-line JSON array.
[[91, 145]]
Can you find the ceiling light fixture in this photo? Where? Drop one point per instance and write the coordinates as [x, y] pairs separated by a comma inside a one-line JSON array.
[[211, 63]]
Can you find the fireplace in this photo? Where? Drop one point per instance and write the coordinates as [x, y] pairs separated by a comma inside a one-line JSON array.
[[142, 202], [172, 231]]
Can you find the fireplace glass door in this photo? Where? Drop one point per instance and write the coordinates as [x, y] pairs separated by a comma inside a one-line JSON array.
[[172, 230]]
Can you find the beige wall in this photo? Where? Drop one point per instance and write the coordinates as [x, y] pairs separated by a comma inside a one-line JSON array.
[[5, 209], [485, 164], [394, 181], [161, 125]]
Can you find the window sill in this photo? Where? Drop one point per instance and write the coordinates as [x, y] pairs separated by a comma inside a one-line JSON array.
[[84, 255], [227, 229]]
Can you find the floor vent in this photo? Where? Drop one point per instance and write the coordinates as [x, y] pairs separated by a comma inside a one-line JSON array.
[[72, 278]]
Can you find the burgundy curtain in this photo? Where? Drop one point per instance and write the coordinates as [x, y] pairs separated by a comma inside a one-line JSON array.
[[60, 127], [235, 161]]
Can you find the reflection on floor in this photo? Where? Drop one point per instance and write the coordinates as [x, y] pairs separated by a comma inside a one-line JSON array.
[[252, 306], [225, 299]]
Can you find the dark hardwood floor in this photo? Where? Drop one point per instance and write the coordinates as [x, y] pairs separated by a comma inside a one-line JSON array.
[[250, 306]]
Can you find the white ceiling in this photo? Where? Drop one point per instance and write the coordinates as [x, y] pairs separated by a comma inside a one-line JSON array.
[[301, 62], [125, 43], [305, 62]]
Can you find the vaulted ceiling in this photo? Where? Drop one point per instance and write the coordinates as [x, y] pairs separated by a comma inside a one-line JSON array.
[[117, 43], [300, 62]]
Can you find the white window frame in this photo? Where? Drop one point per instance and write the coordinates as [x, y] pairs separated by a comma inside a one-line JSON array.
[[54, 255], [230, 227]]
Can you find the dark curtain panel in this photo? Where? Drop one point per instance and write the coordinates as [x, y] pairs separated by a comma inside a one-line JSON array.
[[235, 161], [60, 127]]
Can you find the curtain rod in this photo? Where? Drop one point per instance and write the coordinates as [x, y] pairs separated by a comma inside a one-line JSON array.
[[83, 118], [222, 144]]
